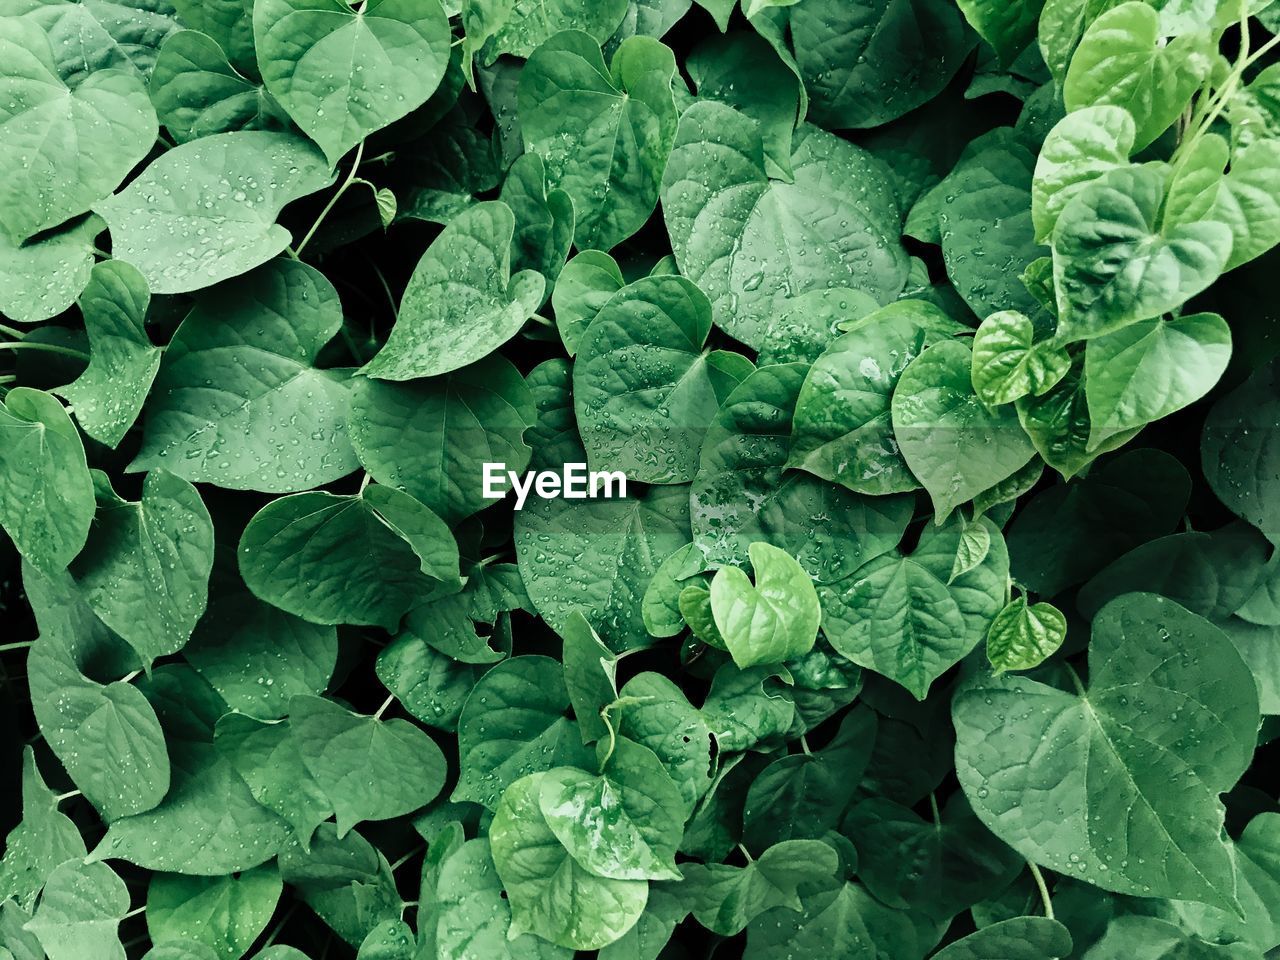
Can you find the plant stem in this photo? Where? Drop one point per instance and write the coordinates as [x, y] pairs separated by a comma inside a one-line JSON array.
[[47, 347], [20, 645], [1044, 890], [275, 931], [66, 796], [134, 912], [383, 709], [333, 202], [8, 378], [407, 857], [804, 745], [128, 677], [933, 805], [11, 331], [746, 853]]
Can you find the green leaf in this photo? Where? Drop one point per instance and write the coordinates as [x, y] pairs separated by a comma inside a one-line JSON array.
[[624, 824], [950, 441], [1122, 60], [1148, 370], [839, 917], [656, 714], [1007, 362], [1023, 636], [432, 437], [642, 383], [529, 25], [197, 92], [390, 56], [64, 149], [586, 284], [1081, 147], [1246, 201], [544, 216], [868, 62], [1009, 28], [472, 915], [1114, 263], [389, 940], [80, 912], [590, 676], [1022, 938], [771, 621], [598, 556], [208, 824], [225, 914], [40, 279], [811, 322], [513, 725], [229, 23], [1059, 426], [550, 894], [661, 606], [1239, 460], [1153, 939], [46, 492], [743, 493], [1114, 771], [257, 339], [108, 396], [907, 617], [145, 569], [726, 898], [42, 841], [752, 243], [347, 882], [429, 684], [205, 211], [462, 302], [842, 431], [346, 559]]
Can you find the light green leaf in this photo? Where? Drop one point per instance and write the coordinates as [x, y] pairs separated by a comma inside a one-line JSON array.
[[64, 149], [1059, 426], [771, 621], [41, 279], [749, 709], [225, 914], [570, 102], [624, 824], [586, 284], [1081, 147], [108, 396], [654, 713], [842, 430], [810, 323], [973, 547], [206, 210], [1115, 770], [344, 73], [242, 363], [197, 92], [346, 559], [1148, 370], [726, 898], [1246, 201], [752, 243], [1023, 636], [532, 23], [550, 894], [867, 62], [371, 769], [46, 492], [1009, 364], [1022, 938], [432, 437], [229, 23], [951, 442], [590, 676], [743, 493], [513, 725], [1150, 938], [208, 825], [544, 217], [598, 556], [42, 841], [389, 940], [80, 912], [1122, 60], [462, 302], [661, 606], [642, 383]]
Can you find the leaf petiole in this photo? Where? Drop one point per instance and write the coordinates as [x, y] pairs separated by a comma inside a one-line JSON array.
[[333, 202], [1044, 889], [46, 347]]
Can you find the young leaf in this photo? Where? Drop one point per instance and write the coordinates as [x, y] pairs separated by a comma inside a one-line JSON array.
[[344, 73], [1007, 362], [550, 894], [771, 621], [65, 149], [462, 302], [257, 338], [205, 211], [1145, 650], [1023, 636], [568, 100], [46, 492], [1082, 146]]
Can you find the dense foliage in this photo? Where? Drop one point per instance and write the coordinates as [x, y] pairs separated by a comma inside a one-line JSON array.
[[942, 613]]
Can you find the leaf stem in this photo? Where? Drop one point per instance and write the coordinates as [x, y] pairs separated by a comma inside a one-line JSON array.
[[333, 201], [11, 331], [746, 853], [933, 805], [8, 378], [66, 796], [407, 857], [47, 347], [365, 481], [128, 677], [1044, 890], [804, 745], [1075, 679], [135, 912], [383, 709], [20, 645], [275, 931]]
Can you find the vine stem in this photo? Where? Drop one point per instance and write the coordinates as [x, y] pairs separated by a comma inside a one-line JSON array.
[[1044, 889], [11, 331], [20, 645], [333, 201], [47, 347]]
